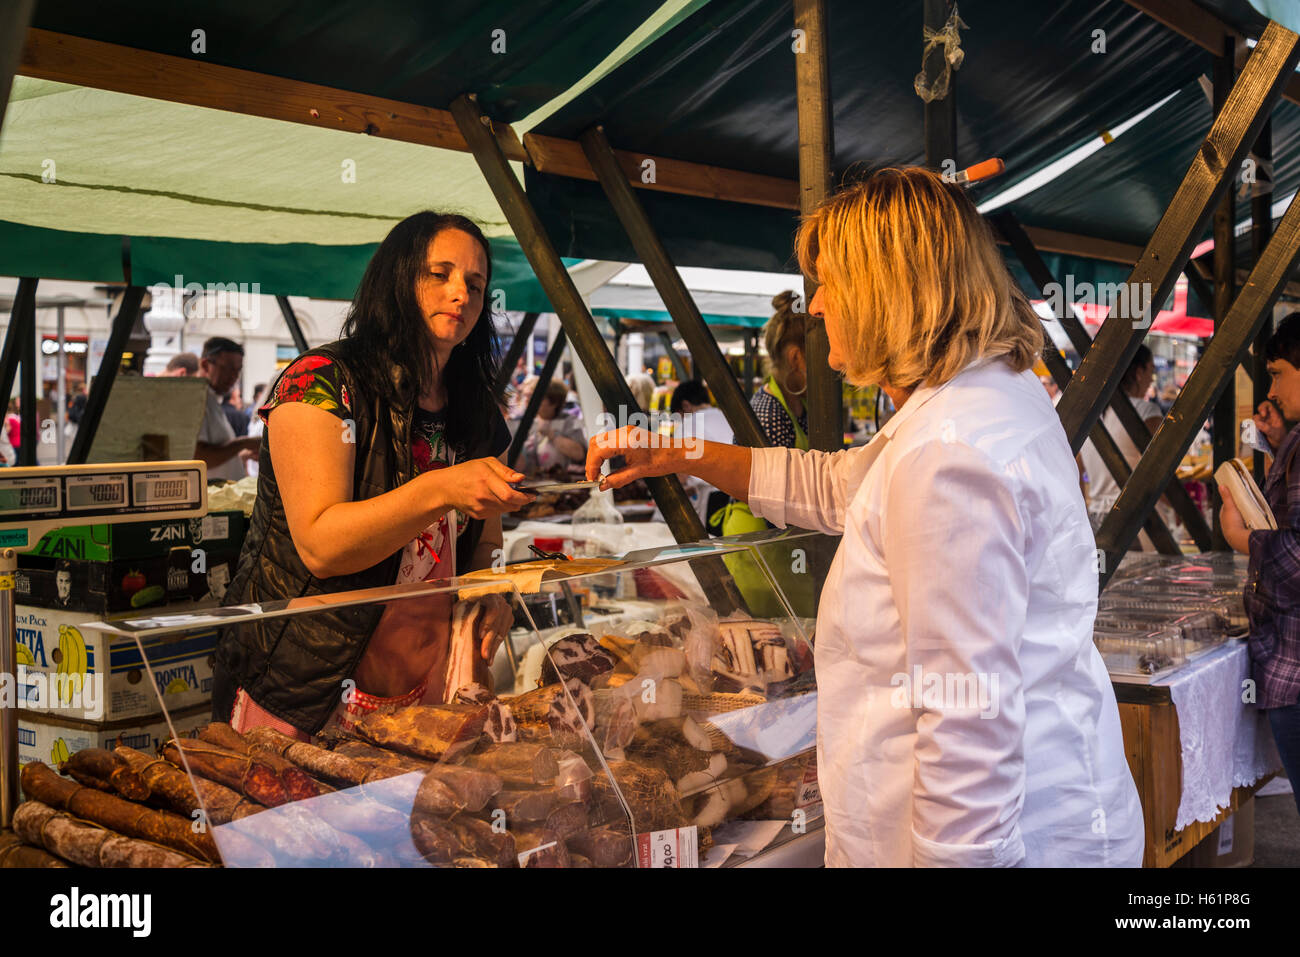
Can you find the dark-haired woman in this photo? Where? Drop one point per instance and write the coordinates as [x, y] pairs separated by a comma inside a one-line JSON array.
[[379, 465]]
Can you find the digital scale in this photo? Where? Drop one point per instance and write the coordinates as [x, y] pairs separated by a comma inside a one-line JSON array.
[[35, 500]]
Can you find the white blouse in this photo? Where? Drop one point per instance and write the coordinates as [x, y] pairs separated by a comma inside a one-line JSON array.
[[965, 717]]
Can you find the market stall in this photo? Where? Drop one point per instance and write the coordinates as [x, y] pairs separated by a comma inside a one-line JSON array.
[[679, 735], [1171, 631]]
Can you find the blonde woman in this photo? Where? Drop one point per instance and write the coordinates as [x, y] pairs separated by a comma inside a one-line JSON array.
[[965, 717]]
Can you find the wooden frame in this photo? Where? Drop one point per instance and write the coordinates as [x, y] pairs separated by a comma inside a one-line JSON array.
[[824, 397], [1224, 443], [97, 399], [1137, 430], [535, 400], [1209, 379], [672, 290], [1234, 131], [291, 320], [577, 322]]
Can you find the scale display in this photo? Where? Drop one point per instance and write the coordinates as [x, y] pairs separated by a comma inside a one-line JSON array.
[[35, 499]]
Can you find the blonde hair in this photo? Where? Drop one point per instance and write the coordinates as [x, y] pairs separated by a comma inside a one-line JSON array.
[[785, 328], [643, 389], [911, 269]]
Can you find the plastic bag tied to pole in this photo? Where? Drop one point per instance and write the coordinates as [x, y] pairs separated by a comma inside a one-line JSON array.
[[950, 39]]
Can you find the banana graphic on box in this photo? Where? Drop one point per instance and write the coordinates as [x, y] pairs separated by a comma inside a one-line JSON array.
[[25, 656], [71, 667], [59, 752]]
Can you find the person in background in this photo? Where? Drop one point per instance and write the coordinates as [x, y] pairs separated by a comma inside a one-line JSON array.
[[236, 411], [182, 364], [702, 421], [556, 438], [779, 404], [1273, 578], [218, 445], [14, 428], [255, 423], [77, 404], [643, 389], [1102, 488]]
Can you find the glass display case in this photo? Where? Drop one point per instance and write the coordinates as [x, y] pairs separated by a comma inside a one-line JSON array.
[[658, 711]]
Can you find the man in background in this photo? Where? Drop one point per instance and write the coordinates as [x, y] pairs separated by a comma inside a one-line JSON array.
[[182, 364], [221, 364]]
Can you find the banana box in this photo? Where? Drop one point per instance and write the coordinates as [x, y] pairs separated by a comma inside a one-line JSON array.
[[52, 739], [69, 669]]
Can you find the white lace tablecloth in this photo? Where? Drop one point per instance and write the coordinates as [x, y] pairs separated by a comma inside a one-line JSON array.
[[1225, 743]]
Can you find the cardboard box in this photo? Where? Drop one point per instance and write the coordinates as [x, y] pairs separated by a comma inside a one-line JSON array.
[[51, 739], [113, 683], [181, 573], [218, 531], [1231, 844]]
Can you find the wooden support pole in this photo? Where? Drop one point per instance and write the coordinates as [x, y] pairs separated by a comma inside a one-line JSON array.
[[1212, 170], [940, 114], [1050, 287], [1199, 285], [1109, 452], [15, 332], [15, 15], [291, 320], [28, 395], [672, 290], [1224, 422], [1261, 219], [816, 151], [535, 400], [97, 399], [1211, 376], [576, 320], [523, 335], [679, 366]]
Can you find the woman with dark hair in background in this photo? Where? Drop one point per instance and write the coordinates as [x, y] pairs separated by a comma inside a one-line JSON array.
[[379, 465]]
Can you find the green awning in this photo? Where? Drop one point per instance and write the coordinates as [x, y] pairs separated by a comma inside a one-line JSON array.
[[720, 89]]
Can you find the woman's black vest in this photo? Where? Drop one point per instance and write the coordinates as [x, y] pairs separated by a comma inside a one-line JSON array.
[[294, 667]]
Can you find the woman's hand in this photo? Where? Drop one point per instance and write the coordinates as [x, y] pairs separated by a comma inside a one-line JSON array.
[[494, 625], [1233, 526], [1270, 424], [480, 487], [647, 453]]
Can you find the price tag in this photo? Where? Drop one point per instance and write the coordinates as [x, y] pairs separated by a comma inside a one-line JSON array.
[[810, 794], [679, 847]]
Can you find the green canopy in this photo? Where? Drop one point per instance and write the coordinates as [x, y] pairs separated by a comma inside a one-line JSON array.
[[720, 89], [104, 186]]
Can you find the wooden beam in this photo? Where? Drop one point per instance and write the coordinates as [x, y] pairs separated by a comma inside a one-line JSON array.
[[575, 318], [519, 342], [1129, 420], [940, 114], [1261, 215], [291, 320], [14, 18], [535, 400], [824, 398], [1224, 419], [1106, 448], [97, 400], [549, 154], [1073, 244], [1210, 377], [672, 290], [1202, 27], [107, 66], [1211, 172]]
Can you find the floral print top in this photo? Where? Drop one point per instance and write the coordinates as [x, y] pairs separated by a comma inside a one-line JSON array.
[[317, 381]]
